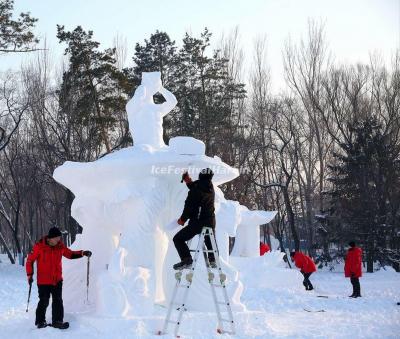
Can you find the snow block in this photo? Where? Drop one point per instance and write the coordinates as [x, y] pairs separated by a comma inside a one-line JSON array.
[[187, 145]]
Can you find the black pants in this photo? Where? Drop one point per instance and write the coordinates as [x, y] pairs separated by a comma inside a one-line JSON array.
[[187, 233], [306, 282], [57, 307], [356, 286]]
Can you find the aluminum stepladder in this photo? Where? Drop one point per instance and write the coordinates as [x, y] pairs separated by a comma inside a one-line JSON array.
[[179, 307]]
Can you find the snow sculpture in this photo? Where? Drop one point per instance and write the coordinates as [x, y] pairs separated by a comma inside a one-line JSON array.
[[247, 242], [144, 116], [125, 202]]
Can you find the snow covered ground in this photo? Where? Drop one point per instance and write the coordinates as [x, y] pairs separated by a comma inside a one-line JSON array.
[[274, 297]]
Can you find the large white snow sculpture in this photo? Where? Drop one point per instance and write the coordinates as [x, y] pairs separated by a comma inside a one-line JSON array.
[[124, 202]]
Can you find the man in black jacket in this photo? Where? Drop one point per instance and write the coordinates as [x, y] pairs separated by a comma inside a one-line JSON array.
[[199, 210]]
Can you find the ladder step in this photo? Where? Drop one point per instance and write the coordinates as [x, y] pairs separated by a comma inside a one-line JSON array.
[[216, 285], [228, 332], [178, 304], [172, 322], [184, 286], [227, 320]]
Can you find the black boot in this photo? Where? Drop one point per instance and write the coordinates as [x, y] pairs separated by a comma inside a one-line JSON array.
[[185, 263], [60, 325], [211, 264], [41, 324]]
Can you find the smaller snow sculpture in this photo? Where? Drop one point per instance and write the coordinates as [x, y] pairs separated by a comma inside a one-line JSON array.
[[247, 241]]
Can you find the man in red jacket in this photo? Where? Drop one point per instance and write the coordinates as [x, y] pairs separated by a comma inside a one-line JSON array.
[[48, 253], [264, 248], [352, 268], [307, 267]]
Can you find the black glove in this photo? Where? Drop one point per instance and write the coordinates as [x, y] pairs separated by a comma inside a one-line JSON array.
[[30, 279], [87, 253]]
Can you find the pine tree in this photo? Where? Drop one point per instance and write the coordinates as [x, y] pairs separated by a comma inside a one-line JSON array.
[[206, 94], [92, 82], [156, 54], [366, 187], [16, 35]]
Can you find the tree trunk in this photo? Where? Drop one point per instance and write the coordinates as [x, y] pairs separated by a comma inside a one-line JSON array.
[[7, 249], [290, 215]]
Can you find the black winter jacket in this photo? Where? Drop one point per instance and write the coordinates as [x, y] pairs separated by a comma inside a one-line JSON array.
[[199, 204]]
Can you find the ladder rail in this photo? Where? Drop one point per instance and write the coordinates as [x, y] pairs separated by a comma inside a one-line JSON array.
[[210, 273], [186, 292], [222, 281]]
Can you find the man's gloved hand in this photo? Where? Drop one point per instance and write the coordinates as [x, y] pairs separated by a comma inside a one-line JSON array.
[[87, 253], [186, 178], [30, 279], [181, 222]]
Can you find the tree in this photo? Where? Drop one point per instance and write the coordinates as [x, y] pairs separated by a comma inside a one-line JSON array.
[[92, 80], [366, 187], [12, 108], [16, 35], [156, 54]]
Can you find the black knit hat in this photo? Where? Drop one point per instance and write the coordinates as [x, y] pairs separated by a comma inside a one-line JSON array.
[[206, 174], [292, 253], [352, 244], [54, 232]]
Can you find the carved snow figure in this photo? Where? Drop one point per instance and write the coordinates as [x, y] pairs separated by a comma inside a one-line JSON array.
[[125, 200]]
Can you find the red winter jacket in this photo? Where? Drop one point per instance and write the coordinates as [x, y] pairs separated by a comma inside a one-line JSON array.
[[49, 266], [264, 248], [352, 265], [304, 262]]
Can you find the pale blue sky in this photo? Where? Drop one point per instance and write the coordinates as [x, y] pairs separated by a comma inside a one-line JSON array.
[[354, 28]]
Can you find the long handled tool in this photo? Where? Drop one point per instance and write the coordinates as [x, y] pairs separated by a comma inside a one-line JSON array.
[[29, 295], [87, 279]]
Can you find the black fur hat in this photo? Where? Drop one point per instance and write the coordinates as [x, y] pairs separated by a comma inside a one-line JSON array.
[[54, 232], [206, 174]]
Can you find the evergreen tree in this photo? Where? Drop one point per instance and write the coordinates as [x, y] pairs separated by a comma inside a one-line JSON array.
[[16, 35], [366, 190], [92, 87], [206, 95], [156, 54]]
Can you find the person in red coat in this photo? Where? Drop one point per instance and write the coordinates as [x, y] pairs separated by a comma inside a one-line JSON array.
[[352, 268], [307, 267], [264, 248], [48, 253]]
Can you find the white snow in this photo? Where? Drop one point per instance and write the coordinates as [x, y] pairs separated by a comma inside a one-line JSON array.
[[273, 294]]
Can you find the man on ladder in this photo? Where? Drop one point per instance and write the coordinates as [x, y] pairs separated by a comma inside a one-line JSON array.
[[199, 210]]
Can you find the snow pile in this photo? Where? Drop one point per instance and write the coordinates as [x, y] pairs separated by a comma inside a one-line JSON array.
[[268, 272]]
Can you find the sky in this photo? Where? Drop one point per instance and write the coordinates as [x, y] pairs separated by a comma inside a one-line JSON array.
[[353, 28]]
